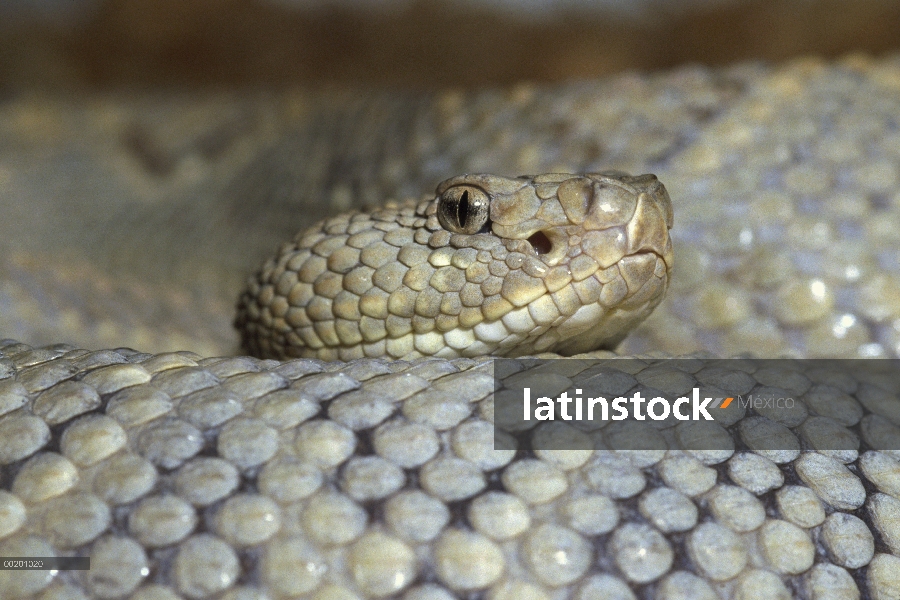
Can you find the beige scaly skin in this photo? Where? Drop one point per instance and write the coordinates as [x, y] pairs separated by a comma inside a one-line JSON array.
[[489, 266], [185, 476]]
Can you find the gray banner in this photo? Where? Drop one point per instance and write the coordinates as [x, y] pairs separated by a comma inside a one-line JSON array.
[[721, 405]]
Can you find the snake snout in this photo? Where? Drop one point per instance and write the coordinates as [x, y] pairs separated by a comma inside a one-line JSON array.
[[639, 224], [648, 229], [620, 247]]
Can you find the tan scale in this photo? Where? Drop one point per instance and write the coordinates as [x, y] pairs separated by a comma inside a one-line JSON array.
[[489, 265]]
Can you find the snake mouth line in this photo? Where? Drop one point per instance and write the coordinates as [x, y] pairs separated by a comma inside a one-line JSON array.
[[655, 255], [646, 251]]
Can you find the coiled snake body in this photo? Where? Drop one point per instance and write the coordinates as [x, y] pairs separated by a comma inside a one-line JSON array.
[[347, 476]]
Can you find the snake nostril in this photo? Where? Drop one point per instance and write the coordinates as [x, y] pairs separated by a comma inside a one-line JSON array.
[[540, 242]]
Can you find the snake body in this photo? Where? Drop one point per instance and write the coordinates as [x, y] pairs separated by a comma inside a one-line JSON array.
[[185, 476]]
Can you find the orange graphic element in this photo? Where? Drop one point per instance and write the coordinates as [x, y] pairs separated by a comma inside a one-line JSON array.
[[726, 403]]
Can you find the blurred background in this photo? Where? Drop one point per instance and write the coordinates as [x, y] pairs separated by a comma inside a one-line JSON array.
[[153, 152], [418, 44]]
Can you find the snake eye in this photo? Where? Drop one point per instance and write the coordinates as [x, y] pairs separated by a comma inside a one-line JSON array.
[[463, 209]]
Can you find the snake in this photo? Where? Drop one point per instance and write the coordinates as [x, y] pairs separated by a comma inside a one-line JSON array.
[[490, 266], [353, 456]]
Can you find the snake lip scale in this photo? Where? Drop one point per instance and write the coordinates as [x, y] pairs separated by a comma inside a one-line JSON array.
[[489, 265]]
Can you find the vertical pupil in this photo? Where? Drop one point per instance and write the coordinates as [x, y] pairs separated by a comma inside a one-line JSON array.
[[462, 209]]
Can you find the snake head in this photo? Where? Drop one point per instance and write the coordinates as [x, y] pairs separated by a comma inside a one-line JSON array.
[[489, 265]]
